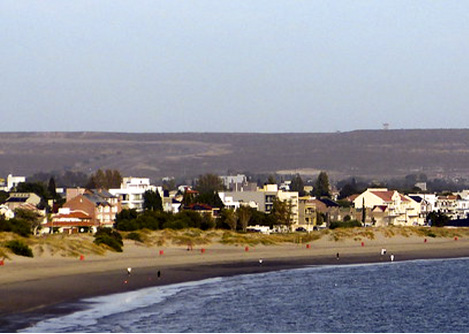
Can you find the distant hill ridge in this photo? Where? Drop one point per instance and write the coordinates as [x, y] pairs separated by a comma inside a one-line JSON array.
[[366, 153]]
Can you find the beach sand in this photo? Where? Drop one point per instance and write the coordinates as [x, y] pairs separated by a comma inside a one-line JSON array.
[[34, 289]]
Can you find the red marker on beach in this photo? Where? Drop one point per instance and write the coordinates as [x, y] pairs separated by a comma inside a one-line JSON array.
[[202, 250], [308, 246], [455, 238], [363, 244], [424, 240], [161, 252], [246, 249], [2, 263], [82, 257]]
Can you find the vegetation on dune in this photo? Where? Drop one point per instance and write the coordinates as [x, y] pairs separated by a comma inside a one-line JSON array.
[[109, 237], [253, 239], [134, 236], [18, 247], [356, 234], [345, 224]]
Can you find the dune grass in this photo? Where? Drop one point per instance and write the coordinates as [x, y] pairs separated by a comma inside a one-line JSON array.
[[78, 244]]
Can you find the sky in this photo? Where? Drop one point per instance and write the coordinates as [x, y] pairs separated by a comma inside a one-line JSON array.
[[233, 66]]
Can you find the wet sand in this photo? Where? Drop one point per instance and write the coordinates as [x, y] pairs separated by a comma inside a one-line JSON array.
[[34, 289]]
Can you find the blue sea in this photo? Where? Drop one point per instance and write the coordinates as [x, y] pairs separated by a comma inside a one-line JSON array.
[[412, 296]]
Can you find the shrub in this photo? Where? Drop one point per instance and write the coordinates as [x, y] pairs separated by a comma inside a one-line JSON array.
[[345, 224], [110, 238], [176, 224], [134, 236], [19, 248], [15, 225]]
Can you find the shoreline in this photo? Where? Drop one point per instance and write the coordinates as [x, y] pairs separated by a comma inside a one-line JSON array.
[[28, 300]]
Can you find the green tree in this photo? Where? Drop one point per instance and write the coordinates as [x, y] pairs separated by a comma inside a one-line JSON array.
[[38, 188], [298, 185], [271, 180], [349, 189], [230, 219], [244, 215], [322, 187], [152, 201], [105, 179], [282, 212], [363, 211], [51, 188], [33, 219], [437, 219], [213, 199], [209, 183], [3, 196]]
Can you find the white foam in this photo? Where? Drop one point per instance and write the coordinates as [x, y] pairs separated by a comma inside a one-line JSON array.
[[104, 306]]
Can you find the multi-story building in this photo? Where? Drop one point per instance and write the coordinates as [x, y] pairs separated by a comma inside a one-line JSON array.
[[70, 221], [131, 192], [11, 183], [263, 199], [389, 207], [100, 205], [307, 213], [447, 204], [235, 182]]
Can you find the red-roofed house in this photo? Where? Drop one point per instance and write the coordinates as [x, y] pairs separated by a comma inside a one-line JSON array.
[[203, 209], [388, 207], [71, 221]]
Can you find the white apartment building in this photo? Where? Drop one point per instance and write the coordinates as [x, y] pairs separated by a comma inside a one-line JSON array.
[[234, 182], [131, 192], [263, 199], [13, 182]]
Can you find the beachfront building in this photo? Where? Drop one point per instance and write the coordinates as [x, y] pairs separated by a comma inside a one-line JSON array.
[[389, 207], [447, 204], [331, 211], [263, 200], [131, 192], [203, 209], [70, 221], [100, 205], [307, 214], [427, 203]]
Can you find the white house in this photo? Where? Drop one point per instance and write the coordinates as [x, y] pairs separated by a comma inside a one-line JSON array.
[[13, 182], [131, 192], [389, 207]]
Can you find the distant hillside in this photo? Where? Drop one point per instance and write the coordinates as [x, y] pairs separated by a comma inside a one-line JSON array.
[[370, 153]]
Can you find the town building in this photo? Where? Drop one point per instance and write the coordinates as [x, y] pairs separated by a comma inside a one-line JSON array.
[[100, 205], [388, 207], [69, 222], [131, 192], [17, 200]]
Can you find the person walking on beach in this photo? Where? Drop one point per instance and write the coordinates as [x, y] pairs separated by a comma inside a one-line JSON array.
[[158, 274], [260, 262], [392, 257], [129, 270], [337, 256]]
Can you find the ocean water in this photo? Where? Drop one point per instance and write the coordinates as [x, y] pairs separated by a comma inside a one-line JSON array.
[[412, 296]]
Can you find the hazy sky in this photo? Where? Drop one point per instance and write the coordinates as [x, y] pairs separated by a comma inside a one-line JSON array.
[[236, 66]]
